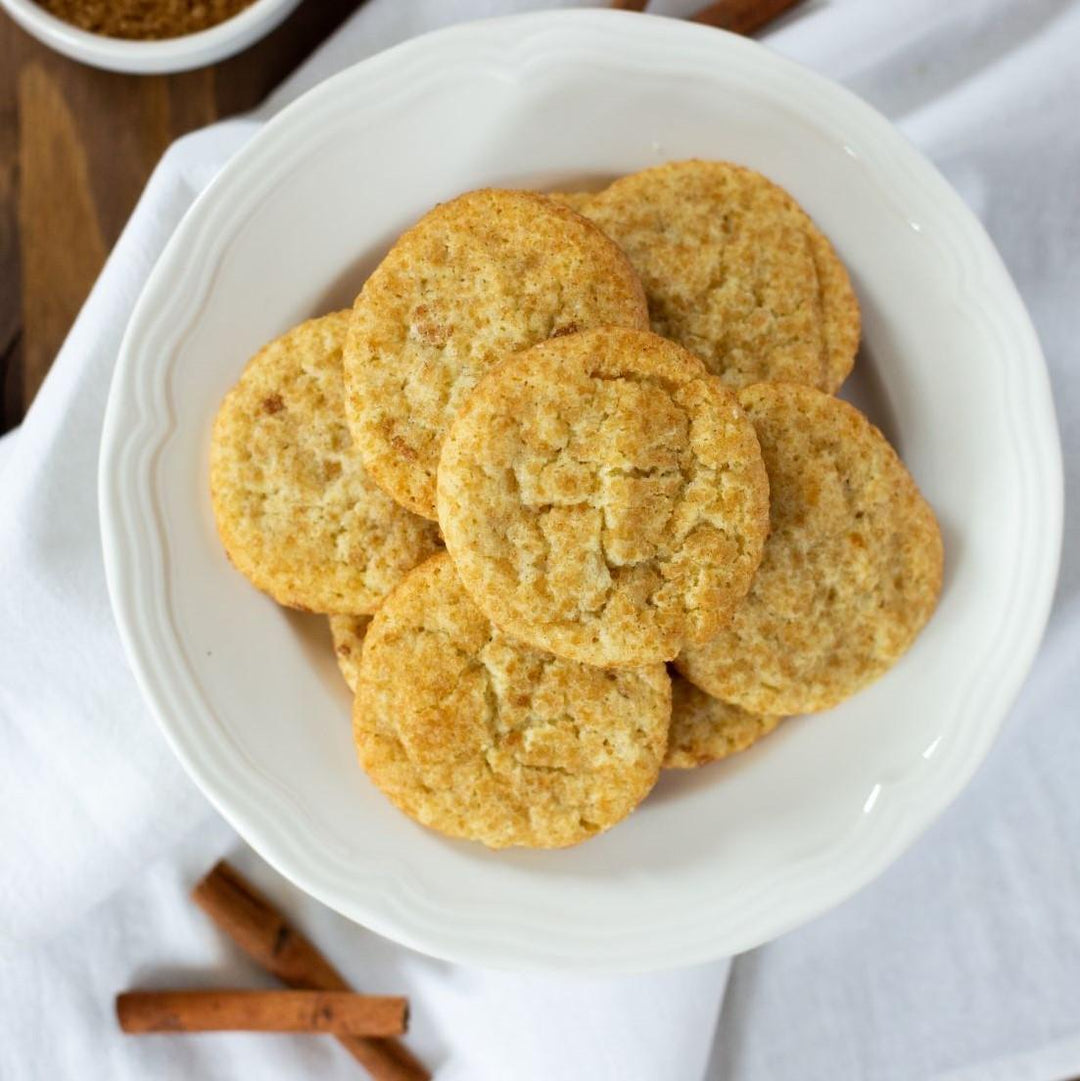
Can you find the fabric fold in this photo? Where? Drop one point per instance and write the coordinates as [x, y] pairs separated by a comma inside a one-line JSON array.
[[962, 961]]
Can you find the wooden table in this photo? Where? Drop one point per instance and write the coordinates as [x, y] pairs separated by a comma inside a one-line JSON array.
[[76, 148]]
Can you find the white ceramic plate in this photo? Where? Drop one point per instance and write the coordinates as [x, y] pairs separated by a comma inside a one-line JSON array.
[[716, 860]]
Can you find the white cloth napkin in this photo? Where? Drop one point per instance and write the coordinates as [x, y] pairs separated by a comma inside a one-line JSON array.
[[963, 961]]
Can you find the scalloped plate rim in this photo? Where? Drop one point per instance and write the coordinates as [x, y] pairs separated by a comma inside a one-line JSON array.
[[439, 937]]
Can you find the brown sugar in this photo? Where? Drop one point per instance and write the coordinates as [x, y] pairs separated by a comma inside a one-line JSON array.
[[144, 20]]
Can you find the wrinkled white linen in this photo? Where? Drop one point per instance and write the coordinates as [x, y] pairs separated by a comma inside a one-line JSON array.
[[962, 962]]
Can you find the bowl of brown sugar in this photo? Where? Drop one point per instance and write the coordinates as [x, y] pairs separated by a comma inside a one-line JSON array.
[[148, 36]]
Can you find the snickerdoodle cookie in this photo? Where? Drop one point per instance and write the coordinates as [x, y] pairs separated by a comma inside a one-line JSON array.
[[296, 511], [476, 735], [734, 270], [348, 635], [486, 274], [604, 497], [575, 200], [852, 568], [704, 729]]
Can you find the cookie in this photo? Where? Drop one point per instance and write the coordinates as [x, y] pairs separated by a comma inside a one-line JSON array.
[[575, 200], [348, 635], [296, 511], [483, 275], [704, 729], [842, 322], [478, 736], [734, 270], [604, 498], [852, 568]]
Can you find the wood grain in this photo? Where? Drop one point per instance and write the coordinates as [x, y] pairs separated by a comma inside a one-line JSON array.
[[11, 396], [76, 148], [54, 200]]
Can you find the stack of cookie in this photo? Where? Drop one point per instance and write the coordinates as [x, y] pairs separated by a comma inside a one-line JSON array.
[[559, 443]]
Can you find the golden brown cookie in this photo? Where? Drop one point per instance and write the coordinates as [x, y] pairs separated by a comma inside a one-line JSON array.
[[296, 511], [486, 274], [604, 498], [348, 635], [478, 736], [734, 270], [704, 729], [839, 309], [852, 567], [575, 200]]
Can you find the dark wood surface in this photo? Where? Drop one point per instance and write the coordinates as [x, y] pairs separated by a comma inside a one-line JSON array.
[[76, 148]]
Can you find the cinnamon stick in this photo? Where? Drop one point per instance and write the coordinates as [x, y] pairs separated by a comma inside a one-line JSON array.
[[742, 16], [337, 1012], [262, 932], [629, 5]]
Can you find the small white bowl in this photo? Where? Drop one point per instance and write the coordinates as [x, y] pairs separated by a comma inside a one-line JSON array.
[[151, 57]]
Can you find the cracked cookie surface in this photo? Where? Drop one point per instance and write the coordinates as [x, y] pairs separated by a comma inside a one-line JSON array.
[[734, 270], [486, 274], [478, 736], [297, 512], [604, 498], [704, 729], [851, 571]]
